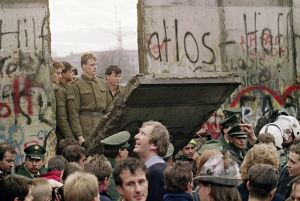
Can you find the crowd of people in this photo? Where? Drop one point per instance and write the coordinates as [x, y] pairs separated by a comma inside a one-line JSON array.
[[240, 165]]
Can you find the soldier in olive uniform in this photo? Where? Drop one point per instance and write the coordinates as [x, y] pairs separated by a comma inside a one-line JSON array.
[[113, 76], [87, 100], [63, 129], [232, 117], [237, 143], [34, 161], [115, 149]]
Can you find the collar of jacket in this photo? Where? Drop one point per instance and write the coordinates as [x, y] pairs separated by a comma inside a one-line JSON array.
[[88, 80]]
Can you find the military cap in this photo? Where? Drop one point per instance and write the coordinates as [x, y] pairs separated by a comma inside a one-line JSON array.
[[210, 145], [231, 116], [236, 132], [169, 153], [116, 141], [220, 169], [35, 151]]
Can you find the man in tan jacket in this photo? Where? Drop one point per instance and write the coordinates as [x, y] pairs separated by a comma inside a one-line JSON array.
[[87, 100]]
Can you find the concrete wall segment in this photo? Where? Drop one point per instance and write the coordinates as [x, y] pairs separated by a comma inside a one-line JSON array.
[[257, 39], [26, 99]]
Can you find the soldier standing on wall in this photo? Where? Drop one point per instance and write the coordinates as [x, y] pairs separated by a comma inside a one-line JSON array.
[[113, 76], [87, 99], [63, 129]]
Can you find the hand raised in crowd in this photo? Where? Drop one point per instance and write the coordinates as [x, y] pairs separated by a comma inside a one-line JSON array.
[[248, 128]]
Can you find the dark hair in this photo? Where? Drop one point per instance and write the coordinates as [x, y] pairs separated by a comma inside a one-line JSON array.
[[112, 153], [178, 176], [266, 138], [73, 153], [67, 65], [13, 186], [131, 164], [263, 178], [4, 148], [63, 144], [296, 149], [99, 166], [57, 163], [75, 71], [113, 68], [224, 193], [69, 169]]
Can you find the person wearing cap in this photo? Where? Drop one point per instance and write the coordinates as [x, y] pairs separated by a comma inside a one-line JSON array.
[[115, 149], [237, 143], [34, 161], [189, 154], [168, 157], [218, 179], [232, 116]]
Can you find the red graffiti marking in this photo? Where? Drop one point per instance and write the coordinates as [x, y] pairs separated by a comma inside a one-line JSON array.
[[28, 97], [8, 113], [30, 143], [278, 98], [16, 95]]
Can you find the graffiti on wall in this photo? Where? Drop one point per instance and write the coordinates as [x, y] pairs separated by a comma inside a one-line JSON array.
[[258, 46], [26, 85]]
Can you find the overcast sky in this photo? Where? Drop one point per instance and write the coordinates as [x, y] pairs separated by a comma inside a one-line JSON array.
[[91, 25]]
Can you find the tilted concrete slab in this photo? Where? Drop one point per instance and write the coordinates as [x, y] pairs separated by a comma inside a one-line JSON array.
[[182, 102]]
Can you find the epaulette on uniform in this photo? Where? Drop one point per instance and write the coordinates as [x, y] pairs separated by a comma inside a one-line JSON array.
[[100, 77]]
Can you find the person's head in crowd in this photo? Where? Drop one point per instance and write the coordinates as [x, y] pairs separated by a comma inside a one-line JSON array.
[[113, 75], [297, 140], [57, 163], [277, 132], [75, 73], [41, 190], [34, 159], [68, 170], [67, 73], [7, 158], [99, 166], [152, 139], [189, 150], [131, 178], [115, 146], [75, 154], [81, 186], [15, 188], [205, 156], [89, 64], [267, 139], [263, 180], [169, 154], [295, 195], [237, 138], [179, 177], [259, 154], [294, 161], [218, 179], [64, 143], [57, 69], [232, 116]]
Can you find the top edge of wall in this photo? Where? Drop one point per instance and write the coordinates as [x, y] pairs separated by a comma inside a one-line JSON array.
[[10, 2], [215, 3]]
